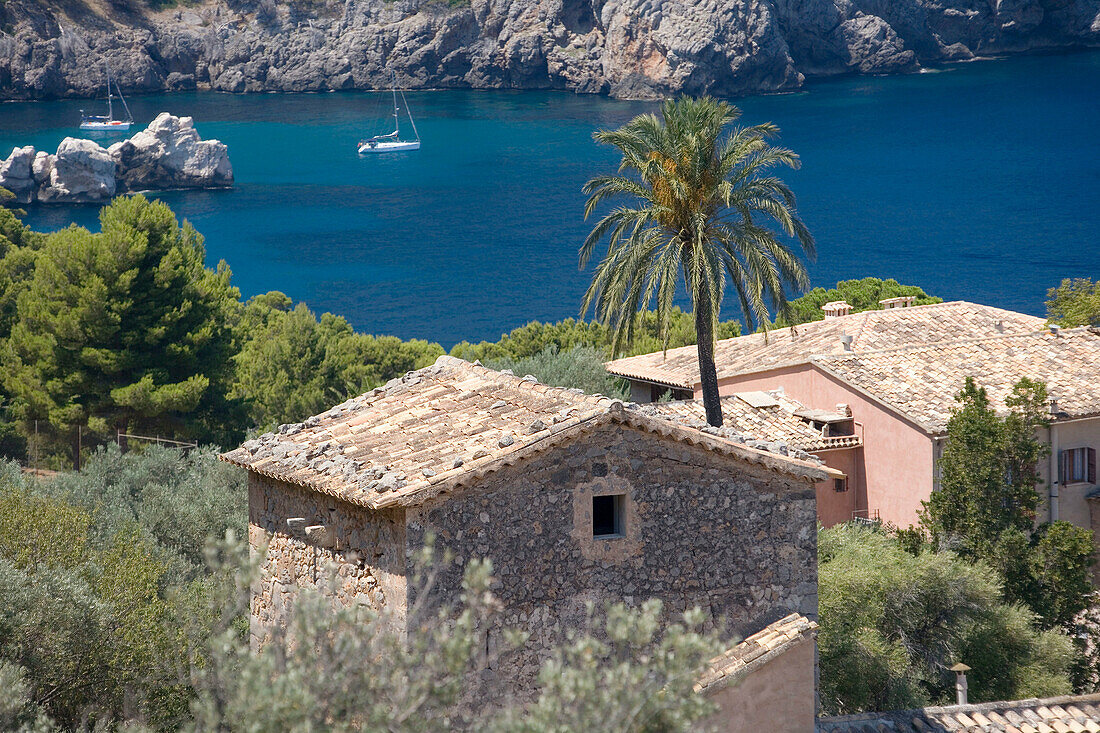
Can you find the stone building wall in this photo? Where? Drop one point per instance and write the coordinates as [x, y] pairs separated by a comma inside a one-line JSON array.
[[360, 558], [701, 529]]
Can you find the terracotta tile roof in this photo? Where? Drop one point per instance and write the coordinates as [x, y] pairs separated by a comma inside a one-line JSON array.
[[756, 650], [1052, 715], [870, 331], [921, 382], [448, 425], [768, 424]]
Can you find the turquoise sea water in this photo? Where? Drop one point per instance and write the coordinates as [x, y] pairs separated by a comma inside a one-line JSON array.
[[979, 182]]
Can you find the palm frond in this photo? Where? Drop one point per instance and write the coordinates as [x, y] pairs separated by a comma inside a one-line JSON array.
[[703, 202]]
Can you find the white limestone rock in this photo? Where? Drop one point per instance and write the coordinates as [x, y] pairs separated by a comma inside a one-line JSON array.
[[16, 174], [81, 171], [634, 48], [42, 167], [874, 47], [170, 154]]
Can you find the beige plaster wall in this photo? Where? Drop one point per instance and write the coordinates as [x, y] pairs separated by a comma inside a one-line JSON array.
[[777, 697], [1072, 505]]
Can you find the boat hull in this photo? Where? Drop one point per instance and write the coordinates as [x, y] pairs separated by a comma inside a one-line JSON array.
[[105, 126], [388, 147]]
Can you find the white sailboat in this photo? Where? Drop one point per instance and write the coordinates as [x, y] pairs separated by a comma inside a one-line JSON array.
[[99, 123], [391, 142]]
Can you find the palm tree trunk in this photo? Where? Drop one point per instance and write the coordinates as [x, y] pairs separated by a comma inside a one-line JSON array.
[[708, 375]]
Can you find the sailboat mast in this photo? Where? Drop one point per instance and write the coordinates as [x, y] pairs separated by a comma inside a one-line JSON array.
[[405, 102], [396, 123], [110, 108]]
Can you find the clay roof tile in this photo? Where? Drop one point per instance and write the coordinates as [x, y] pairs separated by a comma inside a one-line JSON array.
[[920, 382], [870, 330], [452, 422], [1053, 715]]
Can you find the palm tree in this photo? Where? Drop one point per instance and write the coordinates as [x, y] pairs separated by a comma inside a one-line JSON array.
[[699, 194]]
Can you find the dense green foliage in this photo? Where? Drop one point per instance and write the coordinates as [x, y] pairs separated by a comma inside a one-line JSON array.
[[893, 623], [862, 295], [526, 341], [116, 608], [178, 501], [103, 585], [292, 365], [1074, 303], [124, 330], [581, 367], [631, 670], [987, 505], [693, 197]]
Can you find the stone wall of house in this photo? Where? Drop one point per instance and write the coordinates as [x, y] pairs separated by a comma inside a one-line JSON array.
[[701, 529], [358, 558]]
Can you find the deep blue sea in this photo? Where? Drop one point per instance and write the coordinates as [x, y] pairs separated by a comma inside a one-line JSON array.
[[980, 181]]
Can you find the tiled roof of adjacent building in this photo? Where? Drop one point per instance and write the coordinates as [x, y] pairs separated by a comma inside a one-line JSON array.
[[448, 424], [921, 382], [1052, 715], [771, 420], [870, 331], [756, 650]]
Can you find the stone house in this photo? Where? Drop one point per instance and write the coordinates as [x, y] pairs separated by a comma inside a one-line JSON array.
[[575, 498], [773, 421], [889, 377]]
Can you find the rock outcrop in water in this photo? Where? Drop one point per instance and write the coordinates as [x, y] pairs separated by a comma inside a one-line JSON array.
[[167, 154], [628, 48]]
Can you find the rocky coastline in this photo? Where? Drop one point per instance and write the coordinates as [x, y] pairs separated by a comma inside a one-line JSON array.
[[625, 48], [167, 154]]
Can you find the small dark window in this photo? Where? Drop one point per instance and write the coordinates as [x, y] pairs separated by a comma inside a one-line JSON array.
[[842, 427], [840, 485], [607, 515]]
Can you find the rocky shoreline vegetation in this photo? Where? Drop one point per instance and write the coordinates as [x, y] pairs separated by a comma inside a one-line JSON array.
[[167, 154], [625, 48]]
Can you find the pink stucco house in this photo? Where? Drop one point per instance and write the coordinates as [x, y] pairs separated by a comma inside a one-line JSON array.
[[889, 377]]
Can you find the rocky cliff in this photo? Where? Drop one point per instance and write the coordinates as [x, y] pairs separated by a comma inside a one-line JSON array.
[[627, 48], [167, 154]]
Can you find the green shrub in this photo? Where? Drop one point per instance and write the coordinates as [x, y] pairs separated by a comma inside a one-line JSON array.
[[581, 368], [893, 623], [862, 295]]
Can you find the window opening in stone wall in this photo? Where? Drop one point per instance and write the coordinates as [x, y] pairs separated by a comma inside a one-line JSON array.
[[607, 515]]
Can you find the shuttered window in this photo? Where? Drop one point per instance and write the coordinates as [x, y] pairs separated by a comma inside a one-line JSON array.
[[1078, 466]]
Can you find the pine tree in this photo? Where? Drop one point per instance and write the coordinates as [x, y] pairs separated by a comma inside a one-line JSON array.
[[988, 471], [986, 508], [125, 330]]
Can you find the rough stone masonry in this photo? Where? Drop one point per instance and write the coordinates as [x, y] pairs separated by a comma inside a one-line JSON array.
[[699, 529]]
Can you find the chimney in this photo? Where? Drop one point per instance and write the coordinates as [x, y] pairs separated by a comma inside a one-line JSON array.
[[1053, 406], [1055, 329], [846, 340], [842, 408], [960, 671], [836, 309], [902, 301]]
